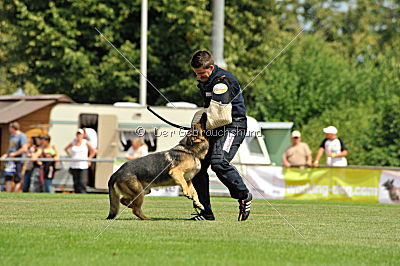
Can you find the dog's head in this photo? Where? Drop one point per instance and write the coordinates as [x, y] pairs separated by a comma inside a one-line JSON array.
[[388, 184], [195, 140]]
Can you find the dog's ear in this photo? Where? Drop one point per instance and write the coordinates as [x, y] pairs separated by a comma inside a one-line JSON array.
[[203, 121], [391, 182], [187, 140]]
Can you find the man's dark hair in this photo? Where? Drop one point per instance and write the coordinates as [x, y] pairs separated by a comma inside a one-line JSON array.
[[202, 58]]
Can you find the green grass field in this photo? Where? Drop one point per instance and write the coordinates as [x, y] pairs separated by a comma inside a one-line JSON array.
[[62, 229]]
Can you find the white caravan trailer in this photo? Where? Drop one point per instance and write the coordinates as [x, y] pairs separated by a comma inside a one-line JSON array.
[[117, 124]]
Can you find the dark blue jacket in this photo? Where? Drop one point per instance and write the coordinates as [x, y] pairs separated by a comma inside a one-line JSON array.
[[220, 75]]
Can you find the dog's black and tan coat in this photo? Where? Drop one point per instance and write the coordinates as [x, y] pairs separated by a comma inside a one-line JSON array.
[[176, 166]]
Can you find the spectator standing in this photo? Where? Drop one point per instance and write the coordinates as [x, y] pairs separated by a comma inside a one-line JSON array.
[[34, 144], [334, 148], [297, 155], [46, 168], [18, 145], [80, 149], [137, 149]]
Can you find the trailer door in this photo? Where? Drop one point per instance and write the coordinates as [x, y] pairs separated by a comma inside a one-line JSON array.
[[107, 149]]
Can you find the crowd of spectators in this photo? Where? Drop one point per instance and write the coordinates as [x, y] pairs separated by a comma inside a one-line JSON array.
[[41, 159], [34, 175]]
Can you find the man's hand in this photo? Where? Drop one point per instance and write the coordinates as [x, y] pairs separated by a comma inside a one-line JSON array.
[[4, 156], [287, 165]]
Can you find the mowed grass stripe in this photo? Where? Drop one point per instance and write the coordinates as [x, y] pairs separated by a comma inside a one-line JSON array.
[[41, 229]]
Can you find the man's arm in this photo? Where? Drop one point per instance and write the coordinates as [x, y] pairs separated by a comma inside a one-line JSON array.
[[219, 113], [24, 146], [319, 154], [343, 151], [340, 154], [309, 160], [285, 161], [20, 151]]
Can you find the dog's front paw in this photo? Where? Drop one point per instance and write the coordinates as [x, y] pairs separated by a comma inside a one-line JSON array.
[[199, 205], [187, 195]]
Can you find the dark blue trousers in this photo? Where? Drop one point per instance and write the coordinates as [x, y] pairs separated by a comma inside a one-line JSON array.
[[224, 143]]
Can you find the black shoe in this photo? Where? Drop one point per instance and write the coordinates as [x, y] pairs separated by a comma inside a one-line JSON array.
[[244, 207], [202, 217]]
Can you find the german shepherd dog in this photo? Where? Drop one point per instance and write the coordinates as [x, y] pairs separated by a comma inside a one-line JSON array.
[[176, 166], [394, 192]]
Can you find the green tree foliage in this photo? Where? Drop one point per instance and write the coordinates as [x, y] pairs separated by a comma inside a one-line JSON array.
[[368, 117], [305, 81], [342, 70], [176, 29], [12, 67], [65, 54]]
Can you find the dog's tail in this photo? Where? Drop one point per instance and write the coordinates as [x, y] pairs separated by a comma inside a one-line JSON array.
[[114, 199]]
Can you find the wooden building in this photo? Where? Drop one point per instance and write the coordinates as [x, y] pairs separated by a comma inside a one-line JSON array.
[[31, 112]]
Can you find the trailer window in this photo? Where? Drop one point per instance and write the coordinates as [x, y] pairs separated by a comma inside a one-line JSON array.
[[254, 145], [89, 121], [127, 135]]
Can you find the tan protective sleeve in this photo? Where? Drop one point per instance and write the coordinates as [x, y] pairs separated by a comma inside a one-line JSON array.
[[218, 115], [197, 115]]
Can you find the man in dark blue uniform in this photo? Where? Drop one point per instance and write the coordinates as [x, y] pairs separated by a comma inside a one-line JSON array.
[[226, 130]]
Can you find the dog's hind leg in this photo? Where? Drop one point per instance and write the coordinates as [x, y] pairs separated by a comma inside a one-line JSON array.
[[136, 193], [127, 202], [128, 192], [137, 207], [114, 201]]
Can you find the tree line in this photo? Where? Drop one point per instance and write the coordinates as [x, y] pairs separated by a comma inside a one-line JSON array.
[[342, 70]]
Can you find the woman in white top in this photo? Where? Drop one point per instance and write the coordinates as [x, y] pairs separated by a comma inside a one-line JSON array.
[[137, 150], [80, 149]]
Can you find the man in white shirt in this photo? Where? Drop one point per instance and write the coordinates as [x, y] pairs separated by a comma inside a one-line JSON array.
[[334, 148], [91, 136]]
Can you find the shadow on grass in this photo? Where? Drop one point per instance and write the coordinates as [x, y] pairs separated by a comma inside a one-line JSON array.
[[169, 219], [152, 219]]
